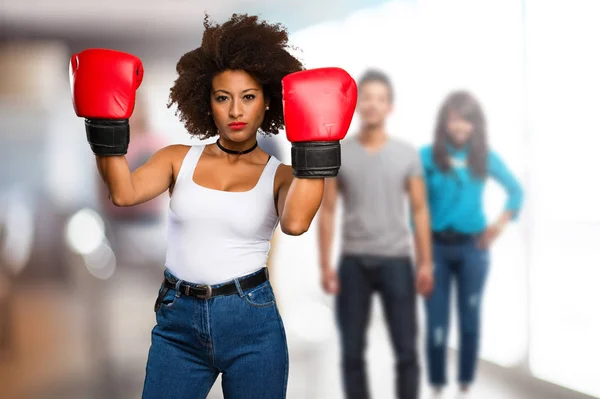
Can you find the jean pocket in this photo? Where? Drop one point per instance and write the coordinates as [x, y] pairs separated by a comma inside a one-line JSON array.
[[260, 297], [166, 298]]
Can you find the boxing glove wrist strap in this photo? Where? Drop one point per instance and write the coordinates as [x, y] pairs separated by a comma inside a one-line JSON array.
[[108, 137], [316, 159]]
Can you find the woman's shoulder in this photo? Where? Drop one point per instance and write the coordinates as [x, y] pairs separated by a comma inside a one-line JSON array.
[[172, 155], [495, 163], [175, 151], [283, 175], [426, 153], [494, 158], [284, 171]]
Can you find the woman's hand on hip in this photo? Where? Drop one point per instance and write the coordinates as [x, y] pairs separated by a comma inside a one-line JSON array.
[[490, 235]]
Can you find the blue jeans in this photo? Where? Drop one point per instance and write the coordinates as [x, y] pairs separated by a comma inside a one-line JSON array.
[[393, 278], [468, 266], [241, 336]]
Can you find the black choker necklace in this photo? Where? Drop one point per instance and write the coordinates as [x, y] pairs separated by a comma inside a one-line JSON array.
[[227, 150]]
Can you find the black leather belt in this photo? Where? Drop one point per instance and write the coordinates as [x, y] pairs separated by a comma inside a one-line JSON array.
[[453, 237], [205, 291]]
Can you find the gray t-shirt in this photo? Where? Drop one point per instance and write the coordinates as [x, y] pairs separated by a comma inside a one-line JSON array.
[[373, 189]]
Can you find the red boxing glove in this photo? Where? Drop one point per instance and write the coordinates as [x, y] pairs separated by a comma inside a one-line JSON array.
[[318, 105], [103, 85]]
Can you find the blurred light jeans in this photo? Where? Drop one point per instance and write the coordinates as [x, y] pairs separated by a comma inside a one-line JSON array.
[[393, 278], [241, 336], [468, 265]]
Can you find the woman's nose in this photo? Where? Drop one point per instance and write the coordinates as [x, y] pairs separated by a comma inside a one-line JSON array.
[[235, 111]]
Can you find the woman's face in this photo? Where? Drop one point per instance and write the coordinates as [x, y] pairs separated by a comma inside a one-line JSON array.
[[238, 105], [459, 129]]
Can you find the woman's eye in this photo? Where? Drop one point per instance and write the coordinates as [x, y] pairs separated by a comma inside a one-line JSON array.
[[249, 96], [221, 98]]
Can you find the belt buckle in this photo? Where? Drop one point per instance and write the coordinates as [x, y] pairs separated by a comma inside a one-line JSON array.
[[208, 293]]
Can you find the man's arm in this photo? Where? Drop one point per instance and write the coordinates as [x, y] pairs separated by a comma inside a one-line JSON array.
[[325, 235], [420, 213]]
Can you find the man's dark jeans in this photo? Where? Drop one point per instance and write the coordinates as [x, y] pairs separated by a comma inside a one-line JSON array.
[[393, 278]]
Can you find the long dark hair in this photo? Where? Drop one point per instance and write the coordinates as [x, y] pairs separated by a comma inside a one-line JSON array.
[[466, 106]]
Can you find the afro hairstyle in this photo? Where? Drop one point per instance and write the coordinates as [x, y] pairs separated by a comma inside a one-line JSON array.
[[242, 43]]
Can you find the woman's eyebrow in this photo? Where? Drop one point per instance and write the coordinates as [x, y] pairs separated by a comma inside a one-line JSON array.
[[226, 92]]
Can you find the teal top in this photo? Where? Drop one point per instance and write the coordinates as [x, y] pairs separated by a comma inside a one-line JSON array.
[[455, 197]]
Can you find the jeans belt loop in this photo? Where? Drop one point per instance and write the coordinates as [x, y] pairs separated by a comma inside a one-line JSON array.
[[177, 288]]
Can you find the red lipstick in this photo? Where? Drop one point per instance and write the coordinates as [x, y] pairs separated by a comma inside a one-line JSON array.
[[237, 125]]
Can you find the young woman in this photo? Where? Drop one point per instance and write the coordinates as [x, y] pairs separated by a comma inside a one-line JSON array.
[[457, 167], [215, 310]]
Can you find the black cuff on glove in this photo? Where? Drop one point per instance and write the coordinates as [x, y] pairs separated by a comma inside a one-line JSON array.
[[316, 159], [108, 136]]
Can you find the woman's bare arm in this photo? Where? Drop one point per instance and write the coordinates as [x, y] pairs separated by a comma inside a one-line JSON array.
[[128, 188], [298, 201]]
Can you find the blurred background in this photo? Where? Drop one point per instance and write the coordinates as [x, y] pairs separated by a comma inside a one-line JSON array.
[[78, 277]]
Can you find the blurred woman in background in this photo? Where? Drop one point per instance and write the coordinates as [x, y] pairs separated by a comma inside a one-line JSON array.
[[457, 167]]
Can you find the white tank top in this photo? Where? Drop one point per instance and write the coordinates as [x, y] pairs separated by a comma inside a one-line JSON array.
[[215, 236]]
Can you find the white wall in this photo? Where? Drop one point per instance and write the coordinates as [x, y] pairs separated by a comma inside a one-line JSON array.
[[563, 101]]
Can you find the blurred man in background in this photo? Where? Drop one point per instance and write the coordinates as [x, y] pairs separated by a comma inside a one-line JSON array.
[[377, 176]]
